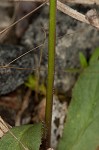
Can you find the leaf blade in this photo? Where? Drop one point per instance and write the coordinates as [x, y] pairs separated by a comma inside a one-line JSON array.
[[28, 136], [83, 112], [95, 56], [83, 60]]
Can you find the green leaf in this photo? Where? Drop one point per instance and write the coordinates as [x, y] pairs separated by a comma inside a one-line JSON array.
[[95, 56], [32, 83], [83, 60], [81, 130], [27, 137]]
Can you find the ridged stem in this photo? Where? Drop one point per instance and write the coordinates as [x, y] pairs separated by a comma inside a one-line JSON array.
[[51, 68]]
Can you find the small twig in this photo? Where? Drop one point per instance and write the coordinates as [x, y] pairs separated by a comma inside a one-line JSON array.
[[71, 12], [64, 8], [24, 54], [41, 45], [74, 14]]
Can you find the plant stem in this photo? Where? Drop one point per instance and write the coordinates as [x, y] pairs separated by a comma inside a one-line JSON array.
[[51, 68]]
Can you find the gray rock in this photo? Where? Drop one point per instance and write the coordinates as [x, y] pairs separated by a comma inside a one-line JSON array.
[[11, 78], [58, 119], [85, 39]]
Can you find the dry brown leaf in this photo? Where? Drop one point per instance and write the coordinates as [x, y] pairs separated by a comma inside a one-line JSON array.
[[3, 127], [92, 17]]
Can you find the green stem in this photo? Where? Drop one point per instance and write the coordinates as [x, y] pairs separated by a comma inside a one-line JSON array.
[[51, 68]]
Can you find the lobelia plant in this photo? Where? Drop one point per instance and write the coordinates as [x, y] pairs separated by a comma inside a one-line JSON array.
[[81, 128], [94, 57], [51, 68]]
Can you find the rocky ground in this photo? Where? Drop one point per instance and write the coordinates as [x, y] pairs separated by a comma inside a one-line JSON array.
[[72, 37]]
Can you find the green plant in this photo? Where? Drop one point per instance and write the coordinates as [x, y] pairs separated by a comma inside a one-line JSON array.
[[51, 68], [32, 82], [26, 137], [23, 137], [83, 61], [94, 57], [81, 128]]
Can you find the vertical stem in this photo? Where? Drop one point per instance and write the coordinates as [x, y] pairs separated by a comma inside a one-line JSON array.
[[51, 68]]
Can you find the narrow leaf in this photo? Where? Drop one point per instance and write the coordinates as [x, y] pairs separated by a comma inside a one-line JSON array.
[[27, 137], [81, 130], [83, 61], [95, 56]]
